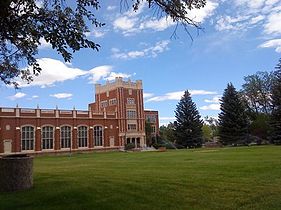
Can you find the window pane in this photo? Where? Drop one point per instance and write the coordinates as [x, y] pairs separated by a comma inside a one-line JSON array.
[[27, 138]]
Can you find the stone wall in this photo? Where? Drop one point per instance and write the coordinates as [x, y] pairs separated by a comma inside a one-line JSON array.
[[16, 173]]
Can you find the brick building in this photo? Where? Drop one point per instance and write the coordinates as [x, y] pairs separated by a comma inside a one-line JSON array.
[[116, 118]]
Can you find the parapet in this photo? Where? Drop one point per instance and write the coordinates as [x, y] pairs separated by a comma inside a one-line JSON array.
[[119, 82]]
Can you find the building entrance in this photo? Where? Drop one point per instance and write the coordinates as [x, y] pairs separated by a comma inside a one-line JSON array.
[[7, 146]]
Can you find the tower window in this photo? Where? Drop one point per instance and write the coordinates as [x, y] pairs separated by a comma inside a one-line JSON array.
[[130, 101], [132, 127]]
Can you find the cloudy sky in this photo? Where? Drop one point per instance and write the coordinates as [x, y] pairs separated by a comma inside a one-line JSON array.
[[240, 37]]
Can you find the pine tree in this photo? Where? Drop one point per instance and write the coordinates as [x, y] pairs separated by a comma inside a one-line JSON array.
[[188, 125], [233, 121], [275, 121]]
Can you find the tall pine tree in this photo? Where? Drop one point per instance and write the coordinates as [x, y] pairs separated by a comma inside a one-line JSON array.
[[275, 121], [188, 125], [233, 121]]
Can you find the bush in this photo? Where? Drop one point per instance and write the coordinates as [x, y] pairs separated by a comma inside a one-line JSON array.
[[169, 146], [129, 146], [156, 146]]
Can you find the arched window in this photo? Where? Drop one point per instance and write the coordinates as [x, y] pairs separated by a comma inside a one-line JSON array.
[[82, 136], [47, 137], [98, 135], [65, 136], [27, 138]]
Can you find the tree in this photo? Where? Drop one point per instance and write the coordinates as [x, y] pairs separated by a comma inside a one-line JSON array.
[[26, 24], [213, 124], [275, 121], [188, 124], [259, 127], [257, 93], [207, 132], [148, 133], [233, 122], [168, 132]]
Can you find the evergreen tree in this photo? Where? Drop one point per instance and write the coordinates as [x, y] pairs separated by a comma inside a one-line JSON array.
[[275, 121], [188, 126], [233, 122]]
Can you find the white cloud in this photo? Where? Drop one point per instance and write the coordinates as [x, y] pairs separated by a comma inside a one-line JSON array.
[[199, 15], [54, 71], [125, 23], [215, 107], [153, 51], [215, 99], [178, 94], [113, 75], [131, 22], [99, 73], [147, 95], [166, 120], [249, 14], [157, 24], [201, 92], [17, 96], [62, 95], [253, 4], [32, 97], [274, 43], [273, 24], [44, 44], [96, 33], [227, 23], [110, 8], [257, 19]]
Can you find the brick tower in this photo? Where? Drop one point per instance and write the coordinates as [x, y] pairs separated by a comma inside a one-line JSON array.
[[125, 99]]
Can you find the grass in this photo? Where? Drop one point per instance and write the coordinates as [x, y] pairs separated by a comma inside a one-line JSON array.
[[228, 178]]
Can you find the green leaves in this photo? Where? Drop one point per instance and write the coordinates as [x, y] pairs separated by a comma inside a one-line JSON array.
[[24, 23]]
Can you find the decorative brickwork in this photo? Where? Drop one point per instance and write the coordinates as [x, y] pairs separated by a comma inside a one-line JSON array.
[[118, 108]]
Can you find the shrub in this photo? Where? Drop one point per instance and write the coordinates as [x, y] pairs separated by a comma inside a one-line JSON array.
[[129, 146]]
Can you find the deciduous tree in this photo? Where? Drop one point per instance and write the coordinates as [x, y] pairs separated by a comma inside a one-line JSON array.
[[168, 132], [63, 24], [257, 92]]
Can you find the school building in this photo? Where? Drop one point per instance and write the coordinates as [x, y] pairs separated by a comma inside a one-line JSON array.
[[116, 118]]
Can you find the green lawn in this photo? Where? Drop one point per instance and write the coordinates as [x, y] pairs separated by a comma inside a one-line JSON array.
[[228, 178]]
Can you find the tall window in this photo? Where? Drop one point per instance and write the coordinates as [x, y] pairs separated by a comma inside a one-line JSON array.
[[151, 118], [131, 114], [27, 138], [98, 135], [82, 136], [47, 137], [132, 127], [65, 136]]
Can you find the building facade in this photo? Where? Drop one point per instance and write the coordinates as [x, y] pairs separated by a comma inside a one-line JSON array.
[[116, 118]]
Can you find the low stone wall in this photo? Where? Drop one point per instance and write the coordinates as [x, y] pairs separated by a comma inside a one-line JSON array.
[[16, 173]]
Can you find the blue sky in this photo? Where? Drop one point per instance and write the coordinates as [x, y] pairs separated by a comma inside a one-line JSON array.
[[240, 37]]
